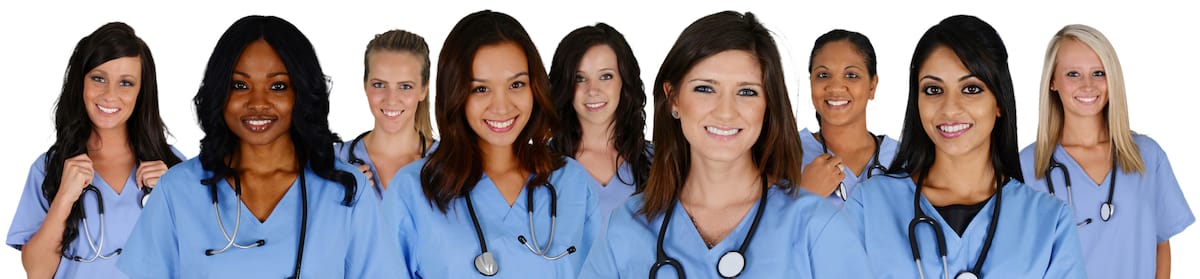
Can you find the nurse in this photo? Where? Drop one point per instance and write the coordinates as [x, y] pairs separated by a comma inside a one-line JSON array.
[[1128, 202], [596, 85], [842, 74], [397, 84], [719, 201], [265, 198], [488, 202], [952, 203], [84, 194]]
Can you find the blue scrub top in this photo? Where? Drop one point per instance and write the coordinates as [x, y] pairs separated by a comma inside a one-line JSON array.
[[800, 236], [121, 210], [342, 151], [179, 224], [434, 244], [618, 190], [1149, 209], [1035, 234], [813, 148]]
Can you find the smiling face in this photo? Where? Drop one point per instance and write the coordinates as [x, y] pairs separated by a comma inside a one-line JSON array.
[[721, 104], [110, 92], [259, 109], [841, 84], [597, 86], [394, 88], [1080, 79], [958, 111], [501, 100]]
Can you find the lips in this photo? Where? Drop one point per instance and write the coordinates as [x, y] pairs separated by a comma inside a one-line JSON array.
[[837, 103], [953, 130], [595, 106], [723, 133], [1087, 100], [500, 126], [108, 110], [258, 124], [392, 114]]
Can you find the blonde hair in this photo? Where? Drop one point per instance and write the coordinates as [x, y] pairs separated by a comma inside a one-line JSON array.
[[1050, 123], [404, 41]]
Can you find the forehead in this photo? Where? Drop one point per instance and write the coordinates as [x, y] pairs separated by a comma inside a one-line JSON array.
[[735, 65], [840, 51], [259, 55], [499, 60], [944, 62]]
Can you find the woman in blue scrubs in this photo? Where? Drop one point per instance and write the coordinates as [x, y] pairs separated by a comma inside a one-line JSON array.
[[488, 201], [596, 85], [1128, 203], [110, 141], [265, 198], [719, 201], [842, 74], [397, 84], [952, 203]]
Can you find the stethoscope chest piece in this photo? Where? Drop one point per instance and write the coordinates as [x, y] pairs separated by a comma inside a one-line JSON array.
[[145, 196], [966, 275], [486, 264], [841, 191], [1106, 211], [731, 264]]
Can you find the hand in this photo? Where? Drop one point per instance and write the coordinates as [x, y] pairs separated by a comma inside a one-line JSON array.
[[149, 172], [823, 175], [77, 174], [366, 170]]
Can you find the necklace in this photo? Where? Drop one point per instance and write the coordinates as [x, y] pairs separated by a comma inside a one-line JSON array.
[[710, 243]]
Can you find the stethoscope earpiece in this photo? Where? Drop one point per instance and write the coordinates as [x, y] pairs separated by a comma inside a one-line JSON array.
[[486, 264], [731, 264]]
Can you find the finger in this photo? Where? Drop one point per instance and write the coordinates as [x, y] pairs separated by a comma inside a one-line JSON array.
[[151, 182]]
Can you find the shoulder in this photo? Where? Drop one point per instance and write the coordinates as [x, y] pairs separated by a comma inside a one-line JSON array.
[[569, 170], [178, 153], [190, 169], [807, 140], [1030, 199], [39, 164], [1029, 151], [1147, 146], [627, 214], [406, 184]]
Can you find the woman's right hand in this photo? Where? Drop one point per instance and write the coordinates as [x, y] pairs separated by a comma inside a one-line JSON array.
[[366, 170], [77, 174], [823, 175]]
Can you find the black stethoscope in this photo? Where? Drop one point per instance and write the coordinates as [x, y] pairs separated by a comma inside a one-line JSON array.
[[875, 164], [1106, 208], [730, 265], [238, 222], [485, 262], [353, 159], [919, 217], [87, 233]]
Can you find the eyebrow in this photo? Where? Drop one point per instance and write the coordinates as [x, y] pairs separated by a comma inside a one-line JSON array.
[[268, 75], [475, 79], [938, 79]]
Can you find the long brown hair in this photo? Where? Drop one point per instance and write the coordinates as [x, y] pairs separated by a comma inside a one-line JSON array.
[[777, 151], [454, 168]]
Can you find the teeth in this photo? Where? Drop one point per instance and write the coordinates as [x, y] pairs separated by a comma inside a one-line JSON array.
[[259, 122], [595, 105], [720, 132], [107, 109], [837, 102], [501, 124], [1087, 99], [392, 113], [954, 128]]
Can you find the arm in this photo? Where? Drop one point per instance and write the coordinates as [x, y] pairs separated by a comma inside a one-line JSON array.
[[42, 254], [1066, 257], [1163, 268], [374, 252]]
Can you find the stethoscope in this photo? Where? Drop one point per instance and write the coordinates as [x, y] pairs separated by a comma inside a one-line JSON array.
[[730, 265], [875, 164], [485, 262], [237, 189], [87, 233], [919, 217], [1106, 208], [353, 159]]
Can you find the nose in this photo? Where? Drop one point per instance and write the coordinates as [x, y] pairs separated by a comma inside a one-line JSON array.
[[257, 101], [725, 108], [500, 102], [836, 85], [953, 104]]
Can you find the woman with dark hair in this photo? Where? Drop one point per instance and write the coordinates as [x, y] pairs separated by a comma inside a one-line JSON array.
[[478, 204], [941, 201], [396, 80], [111, 141], [267, 151], [596, 85], [726, 152], [842, 73]]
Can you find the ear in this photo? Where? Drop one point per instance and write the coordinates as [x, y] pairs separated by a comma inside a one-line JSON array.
[[998, 114], [424, 92], [871, 92], [667, 93]]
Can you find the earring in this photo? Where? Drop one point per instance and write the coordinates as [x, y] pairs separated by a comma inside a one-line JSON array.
[[675, 114]]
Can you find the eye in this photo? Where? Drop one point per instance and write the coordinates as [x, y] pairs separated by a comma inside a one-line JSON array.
[[406, 86], [479, 89], [580, 78], [517, 85], [279, 86], [1072, 74], [932, 90], [822, 75], [703, 89], [851, 75], [378, 85], [240, 85], [972, 89], [747, 92], [606, 77], [98, 79], [1098, 74], [125, 83]]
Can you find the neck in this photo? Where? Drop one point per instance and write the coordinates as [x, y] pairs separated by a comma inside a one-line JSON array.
[[498, 159], [108, 142], [717, 184], [1083, 130], [393, 143], [964, 179], [277, 156], [596, 137], [841, 139]]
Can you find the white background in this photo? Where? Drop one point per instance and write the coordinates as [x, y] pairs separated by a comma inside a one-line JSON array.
[[1155, 41]]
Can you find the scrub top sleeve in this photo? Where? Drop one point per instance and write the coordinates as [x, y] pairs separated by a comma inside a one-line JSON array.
[[1172, 210], [835, 251], [591, 225], [31, 209], [152, 250], [178, 154], [373, 250], [1066, 259], [396, 215]]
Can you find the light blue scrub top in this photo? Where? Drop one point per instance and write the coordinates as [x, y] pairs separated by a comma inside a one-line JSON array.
[[618, 190], [121, 210], [179, 224], [1149, 209], [444, 245], [813, 148], [1035, 234], [799, 236], [342, 151]]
